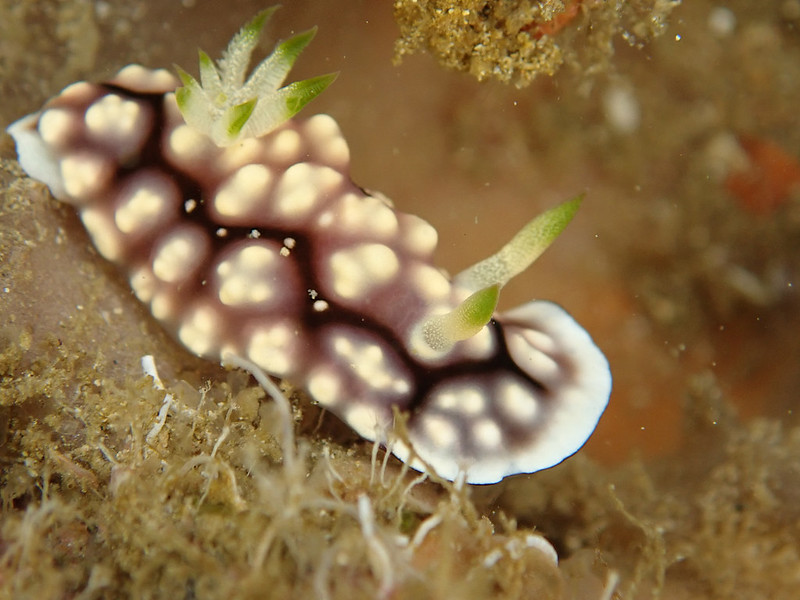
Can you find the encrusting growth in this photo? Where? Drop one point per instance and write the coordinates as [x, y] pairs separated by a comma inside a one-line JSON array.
[[514, 42], [240, 229]]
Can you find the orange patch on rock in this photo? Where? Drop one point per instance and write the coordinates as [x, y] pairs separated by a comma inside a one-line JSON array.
[[645, 412], [557, 23], [769, 179]]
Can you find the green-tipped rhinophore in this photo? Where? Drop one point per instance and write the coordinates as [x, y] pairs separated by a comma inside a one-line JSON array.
[[524, 248], [440, 332], [485, 278], [227, 108]]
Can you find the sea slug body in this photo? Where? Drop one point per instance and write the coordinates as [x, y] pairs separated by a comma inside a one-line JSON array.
[[257, 244]]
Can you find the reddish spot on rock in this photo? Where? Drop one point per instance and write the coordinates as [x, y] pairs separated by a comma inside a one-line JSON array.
[[769, 179], [557, 23]]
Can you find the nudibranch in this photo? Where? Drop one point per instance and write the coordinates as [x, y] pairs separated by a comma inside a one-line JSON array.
[[239, 227]]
